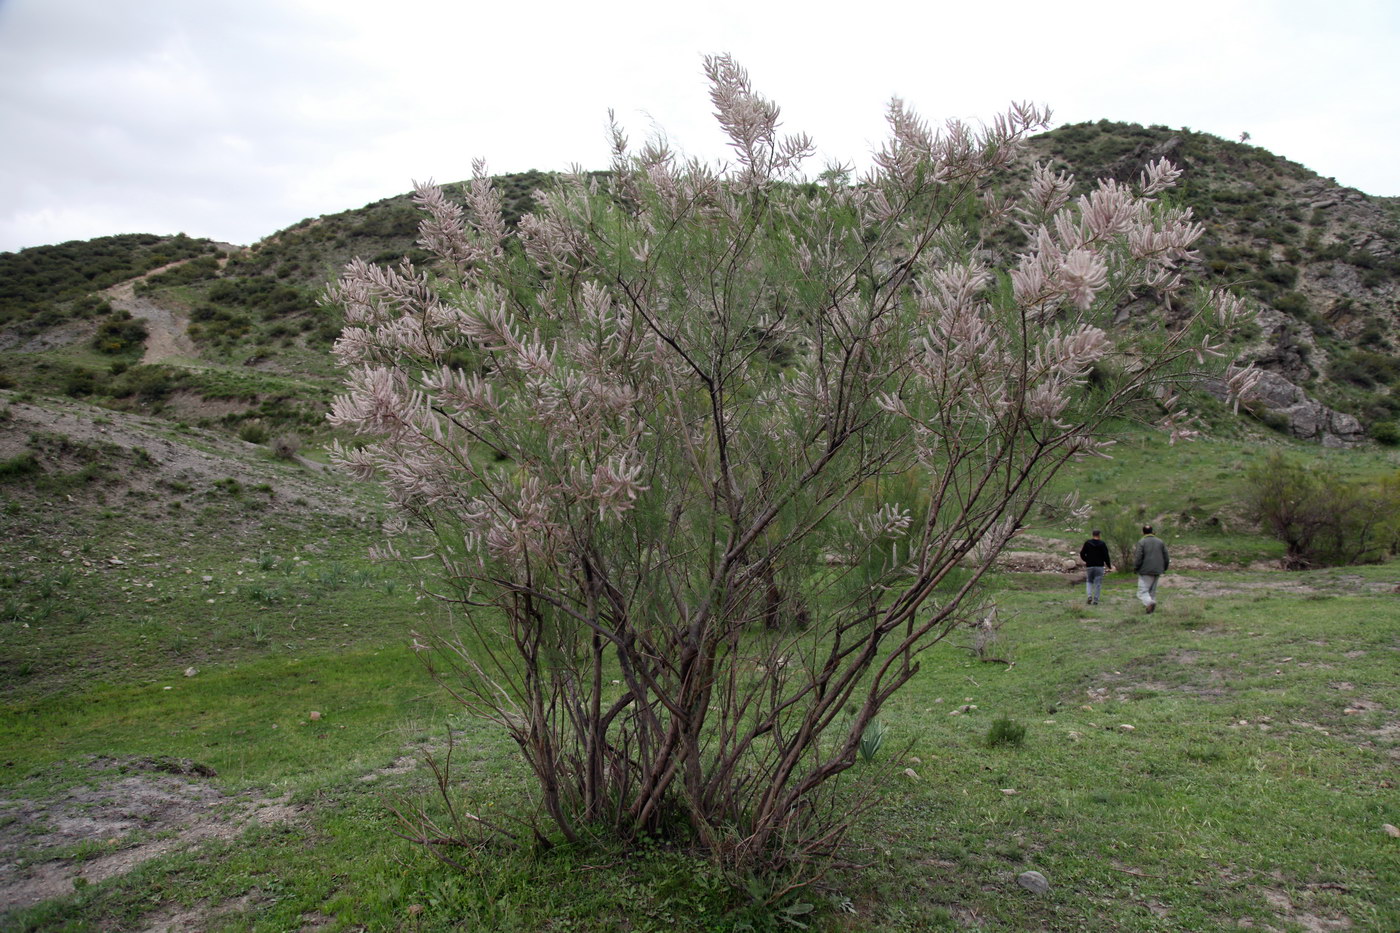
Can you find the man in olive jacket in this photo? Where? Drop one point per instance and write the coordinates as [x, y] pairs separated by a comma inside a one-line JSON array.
[[1150, 561]]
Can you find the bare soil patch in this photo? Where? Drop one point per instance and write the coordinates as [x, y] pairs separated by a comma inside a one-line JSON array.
[[133, 810], [63, 335], [196, 917], [1312, 922], [151, 460]]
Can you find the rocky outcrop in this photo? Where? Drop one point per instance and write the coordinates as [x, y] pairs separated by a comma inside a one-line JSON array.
[[1307, 418], [1285, 347], [1289, 355]]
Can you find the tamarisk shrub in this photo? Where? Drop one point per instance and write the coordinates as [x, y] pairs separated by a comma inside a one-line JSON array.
[[711, 455]]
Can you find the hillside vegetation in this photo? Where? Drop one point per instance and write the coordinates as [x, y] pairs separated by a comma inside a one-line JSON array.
[[1320, 260]]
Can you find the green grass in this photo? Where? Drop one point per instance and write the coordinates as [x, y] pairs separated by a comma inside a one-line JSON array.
[[114, 598], [1192, 492], [1242, 775], [249, 722], [1244, 792]]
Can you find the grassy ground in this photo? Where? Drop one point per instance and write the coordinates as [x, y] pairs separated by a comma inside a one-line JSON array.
[[256, 792], [1252, 788], [1193, 492], [1226, 761]]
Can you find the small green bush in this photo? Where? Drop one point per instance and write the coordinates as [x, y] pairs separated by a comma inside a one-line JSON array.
[[253, 433], [1287, 276], [1321, 520], [23, 465], [80, 382], [1386, 432], [1121, 531], [121, 333], [1005, 731], [1293, 303], [148, 383]]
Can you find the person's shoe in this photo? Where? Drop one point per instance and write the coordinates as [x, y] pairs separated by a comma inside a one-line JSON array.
[[1151, 608]]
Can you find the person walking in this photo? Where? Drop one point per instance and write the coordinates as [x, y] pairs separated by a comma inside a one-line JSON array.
[[1094, 553], [1150, 561]]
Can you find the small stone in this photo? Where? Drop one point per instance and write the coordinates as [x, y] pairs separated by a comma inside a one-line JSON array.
[[1127, 728], [1076, 736], [1086, 708], [1034, 882], [955, 712], [207, 578], [911, 774], [1009, 791], [915, 760], [314, 716], [1390, 830], [167, 688], [191, 671]]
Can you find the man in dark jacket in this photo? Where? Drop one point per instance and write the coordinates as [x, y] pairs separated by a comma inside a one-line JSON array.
[[1094, 553], [1150, 561]]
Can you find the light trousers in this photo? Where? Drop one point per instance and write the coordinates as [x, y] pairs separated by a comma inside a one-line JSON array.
[[1147, 588]]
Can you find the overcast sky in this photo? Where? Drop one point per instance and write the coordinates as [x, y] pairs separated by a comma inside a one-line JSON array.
[[232, 120]]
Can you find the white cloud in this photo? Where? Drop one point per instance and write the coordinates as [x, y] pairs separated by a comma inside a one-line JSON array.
[[234, 119]]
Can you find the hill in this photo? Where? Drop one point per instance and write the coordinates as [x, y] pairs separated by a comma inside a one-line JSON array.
[[241, 327], [1320, 259]]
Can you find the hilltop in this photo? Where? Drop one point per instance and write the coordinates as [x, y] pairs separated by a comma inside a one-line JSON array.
[[1320, 259], [234, 338]]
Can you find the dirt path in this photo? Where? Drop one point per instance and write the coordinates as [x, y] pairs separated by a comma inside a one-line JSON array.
[[168, 331]]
